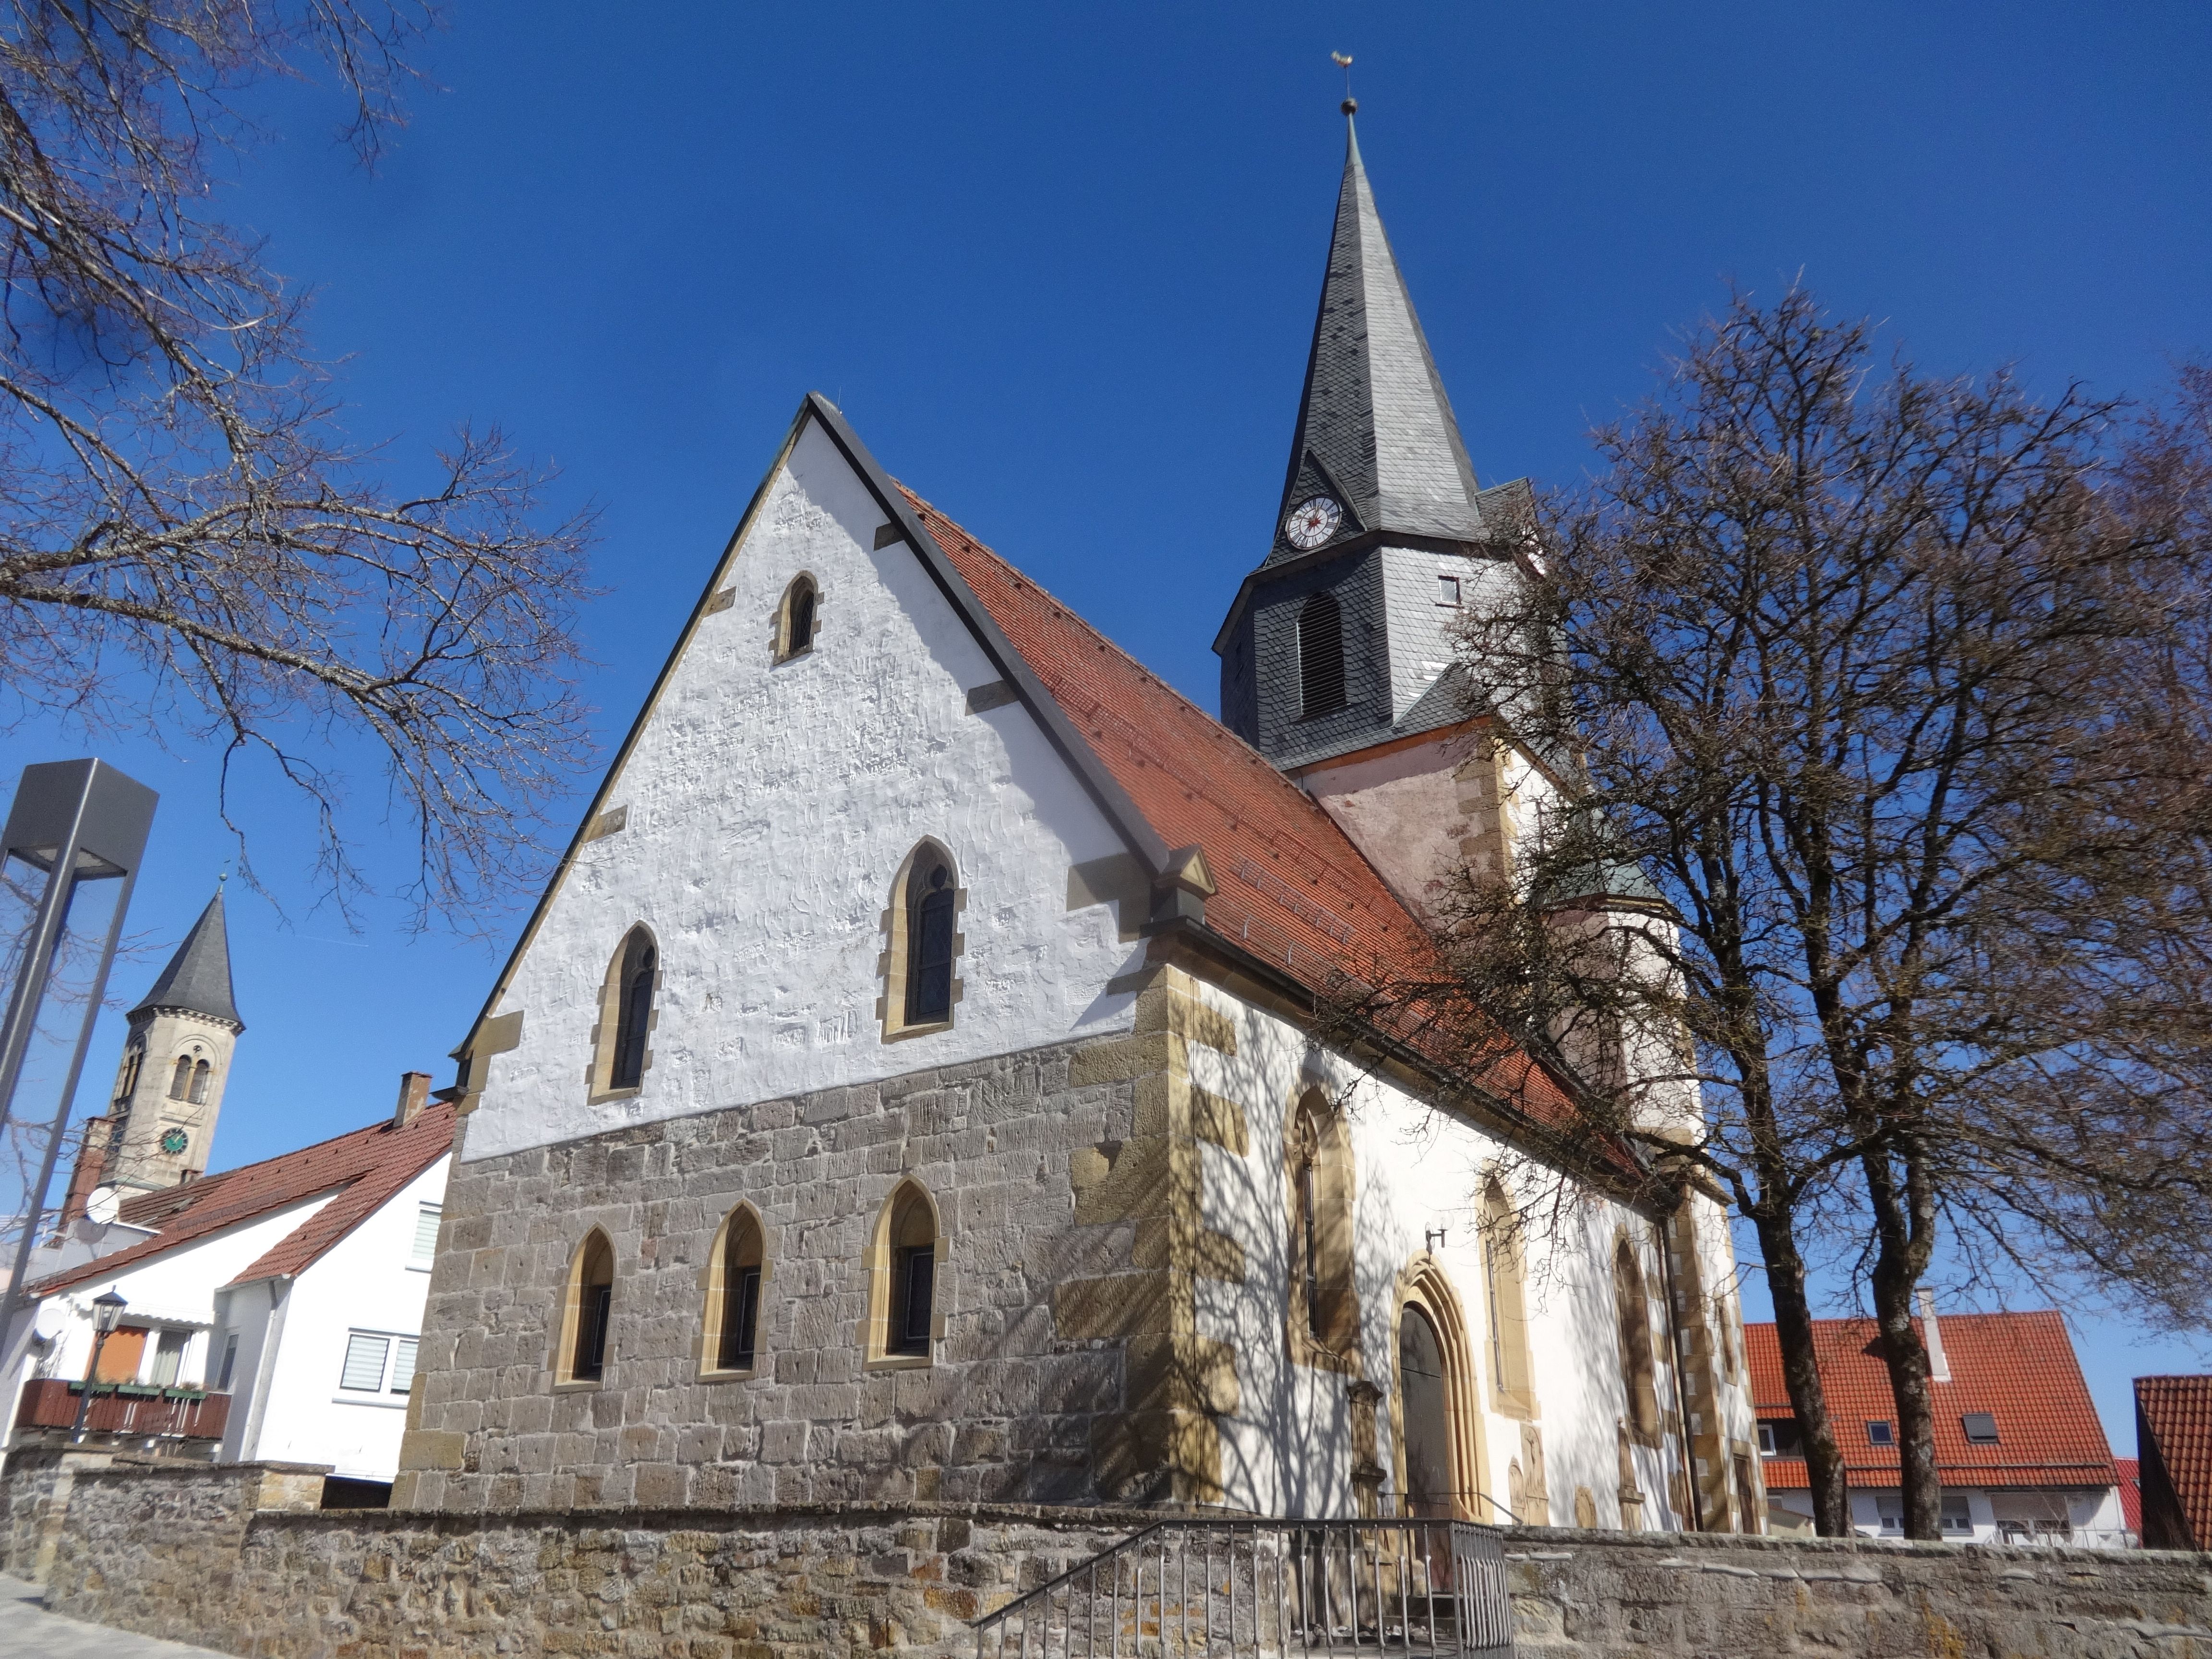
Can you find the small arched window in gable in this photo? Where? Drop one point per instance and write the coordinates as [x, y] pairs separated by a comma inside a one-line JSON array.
[[795, 618], [180, 1080], [622, 1039], [587, 1311], [905, 1265], [1637, 1373], [733, 1299], [1324, 1303], [201, 1069], [1320, 657], [920, 986]]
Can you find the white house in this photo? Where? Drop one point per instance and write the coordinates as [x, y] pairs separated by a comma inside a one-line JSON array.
[[269, 1312]]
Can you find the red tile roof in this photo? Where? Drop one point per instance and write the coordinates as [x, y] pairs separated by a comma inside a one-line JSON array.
[[2130, 1493], [2019, 1367], [2176, 1414], [363, 1170], [1293, 890]]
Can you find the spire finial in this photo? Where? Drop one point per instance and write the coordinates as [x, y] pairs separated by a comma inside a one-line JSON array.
[[1343, 61]]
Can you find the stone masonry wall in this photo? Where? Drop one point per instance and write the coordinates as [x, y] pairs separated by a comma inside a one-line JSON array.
[[1036, 1393], [222, 1557]]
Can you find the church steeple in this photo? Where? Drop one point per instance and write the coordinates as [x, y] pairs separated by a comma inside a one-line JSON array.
[[198, 979], [176, 1065], [1375, 433], [1342, 637]]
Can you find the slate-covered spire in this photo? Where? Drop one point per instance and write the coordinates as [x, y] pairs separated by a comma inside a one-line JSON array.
[[197, 978], [1376, 432]]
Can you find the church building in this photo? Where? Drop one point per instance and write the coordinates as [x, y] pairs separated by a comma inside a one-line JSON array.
[[912, 1083]]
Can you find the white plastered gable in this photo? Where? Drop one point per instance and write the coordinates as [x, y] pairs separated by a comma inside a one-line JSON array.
[[766, 808]]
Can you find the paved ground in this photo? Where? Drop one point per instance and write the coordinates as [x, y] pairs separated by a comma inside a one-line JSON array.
[[30, 1631]]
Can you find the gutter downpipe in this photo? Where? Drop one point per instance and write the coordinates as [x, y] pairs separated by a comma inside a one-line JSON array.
[[1682, 1375]]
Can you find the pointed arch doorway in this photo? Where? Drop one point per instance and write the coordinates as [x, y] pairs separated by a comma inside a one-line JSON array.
[[1434, 1410]]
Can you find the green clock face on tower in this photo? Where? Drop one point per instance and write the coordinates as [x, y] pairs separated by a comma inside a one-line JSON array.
[[1312, 522], [173, 1141]]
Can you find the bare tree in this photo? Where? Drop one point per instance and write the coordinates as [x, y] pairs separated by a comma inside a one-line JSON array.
[[1874, 710], [188, 544]]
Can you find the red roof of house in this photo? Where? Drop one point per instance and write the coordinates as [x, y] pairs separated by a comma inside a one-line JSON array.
[[1293, 888], [2018, 1367], [361, 1171], [2130, 1493], [2177, 1413]]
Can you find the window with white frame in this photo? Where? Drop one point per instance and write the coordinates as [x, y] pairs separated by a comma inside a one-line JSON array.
[[1957, 1515], [378, 1363], [426, 1235]]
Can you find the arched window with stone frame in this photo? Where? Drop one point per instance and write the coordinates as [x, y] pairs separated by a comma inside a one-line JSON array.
[[1638, 1369], [126, 1079], [1512, 1374], [906, 1279], [737, 1276], [621, 1041], [180, 1080], [922, 944], [200, 1073], [583, 1344], [1324, 1300], [1320, 657], [797, 615]]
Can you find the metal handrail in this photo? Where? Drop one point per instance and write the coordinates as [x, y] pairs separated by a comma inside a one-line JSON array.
[[1371, 1584]]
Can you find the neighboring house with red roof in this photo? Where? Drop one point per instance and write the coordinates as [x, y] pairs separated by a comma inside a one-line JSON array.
[[2130, 1493], [2021, 1452], [270, 1312], [919, 1078], [2173, 1444]]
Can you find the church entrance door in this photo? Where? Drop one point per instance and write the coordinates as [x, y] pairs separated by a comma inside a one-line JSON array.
[[1424, 1415]]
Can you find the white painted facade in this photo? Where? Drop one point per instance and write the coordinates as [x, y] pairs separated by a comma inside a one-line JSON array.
[[290, 1333], [769, 806], [2082, 1517]]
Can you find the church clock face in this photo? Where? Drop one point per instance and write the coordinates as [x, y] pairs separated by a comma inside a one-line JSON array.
[[173, 1141], [1312, 522]]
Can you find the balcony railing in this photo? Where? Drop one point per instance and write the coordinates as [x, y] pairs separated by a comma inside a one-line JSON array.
[[129, 1410]]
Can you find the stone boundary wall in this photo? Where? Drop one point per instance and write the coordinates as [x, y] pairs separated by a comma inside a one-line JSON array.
[[236, 1557]]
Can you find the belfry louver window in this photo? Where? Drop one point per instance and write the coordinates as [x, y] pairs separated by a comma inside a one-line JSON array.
[[1320, 657]]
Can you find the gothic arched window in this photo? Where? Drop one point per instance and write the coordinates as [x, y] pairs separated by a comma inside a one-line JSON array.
[[626, 1015], [905, 1264], [794, 619], [1511, 1382], [126, 1082], [1320, 657], [180, 1080], [735, 1296], [587, 1311], [1324, 1305], [199, 1091], [1637, 1373], [930, 901]]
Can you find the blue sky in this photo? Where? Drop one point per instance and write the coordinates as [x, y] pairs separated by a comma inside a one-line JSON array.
[[1060, 268]]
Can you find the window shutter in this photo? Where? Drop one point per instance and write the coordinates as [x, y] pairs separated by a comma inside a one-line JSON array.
[[402, 1365], [426, 1232], [364, 1362]]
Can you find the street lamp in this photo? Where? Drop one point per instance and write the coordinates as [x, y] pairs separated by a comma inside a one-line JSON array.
[[106, 1314]]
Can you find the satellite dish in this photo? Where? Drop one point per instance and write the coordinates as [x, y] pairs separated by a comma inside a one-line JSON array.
[[105, 1203]]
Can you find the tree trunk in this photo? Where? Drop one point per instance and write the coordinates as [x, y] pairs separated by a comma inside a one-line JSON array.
[[1793, 1327], [1905, 1225]]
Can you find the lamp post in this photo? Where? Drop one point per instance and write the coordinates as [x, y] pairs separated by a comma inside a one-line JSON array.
[[106, 1314]]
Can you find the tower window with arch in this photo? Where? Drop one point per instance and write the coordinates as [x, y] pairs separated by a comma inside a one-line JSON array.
[[921, 987], [200, 1073], [587, 1312], [1512, 1380], [622, 1043], [180, 1080], [795, 617], [126, 1080], [1324, 1304], [1320, 657], [737, 1273], [906, 1263], [1638, 1372]]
